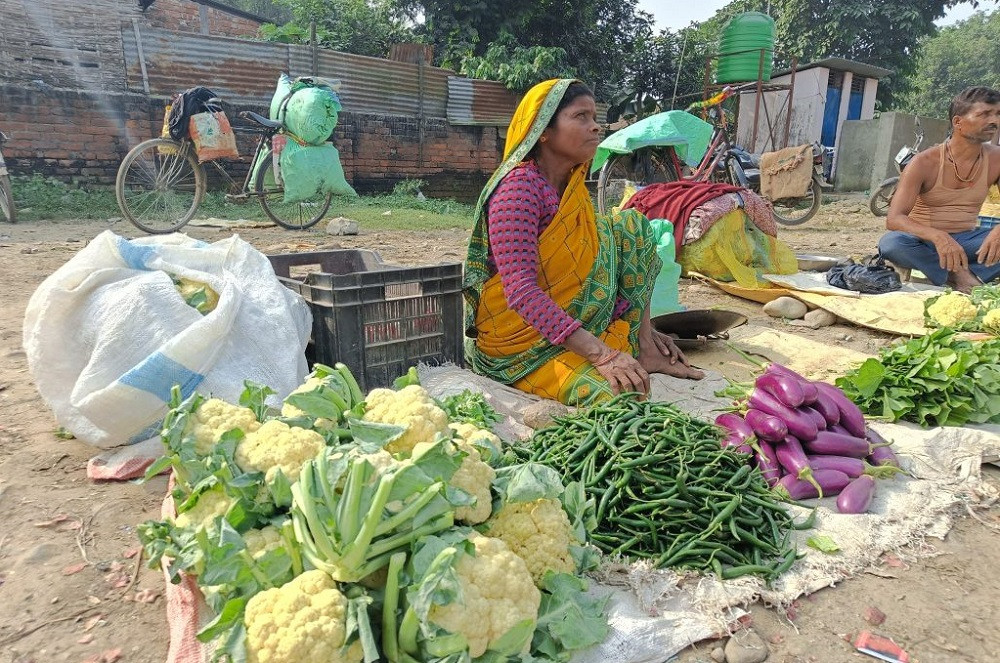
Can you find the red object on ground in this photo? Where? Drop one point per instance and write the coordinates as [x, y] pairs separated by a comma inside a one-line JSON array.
[[880, 647], [675, 201]]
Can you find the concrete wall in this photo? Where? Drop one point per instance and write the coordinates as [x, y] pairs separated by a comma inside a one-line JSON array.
[[867, 148]]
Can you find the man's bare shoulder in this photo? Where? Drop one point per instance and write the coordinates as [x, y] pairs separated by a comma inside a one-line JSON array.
[[993, 152], [924, 165]]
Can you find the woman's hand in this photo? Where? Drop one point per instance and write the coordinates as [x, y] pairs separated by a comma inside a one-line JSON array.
[[665, 344], [623, 372]]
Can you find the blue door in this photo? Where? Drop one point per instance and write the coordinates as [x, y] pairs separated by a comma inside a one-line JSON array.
[[854, 105], [831, 115]]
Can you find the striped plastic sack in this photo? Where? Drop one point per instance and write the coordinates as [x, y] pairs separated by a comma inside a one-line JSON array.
[[109, 333]]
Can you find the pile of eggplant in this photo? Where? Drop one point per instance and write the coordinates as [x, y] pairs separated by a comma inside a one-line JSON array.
[[809, 440]]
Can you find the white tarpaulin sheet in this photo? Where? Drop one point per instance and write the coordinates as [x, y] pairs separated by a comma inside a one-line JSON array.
[[655, 614]]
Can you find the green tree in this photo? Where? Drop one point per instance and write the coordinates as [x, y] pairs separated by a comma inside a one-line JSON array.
[[957, 57], [364, 27], [514, 65]]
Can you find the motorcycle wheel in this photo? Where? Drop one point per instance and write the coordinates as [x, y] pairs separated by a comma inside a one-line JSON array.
[[882, 196], [796, 211]]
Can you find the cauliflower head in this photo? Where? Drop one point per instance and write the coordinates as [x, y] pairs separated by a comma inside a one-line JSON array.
[[952, 310], [474, 477], [475, 435], [412, 408], [539, 532], [497, 594], [211, 503], [276, 445], [214, 418], [261, 541], [303, 621], [991, 321]]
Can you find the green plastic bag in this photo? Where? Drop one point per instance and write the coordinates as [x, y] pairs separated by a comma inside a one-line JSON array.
[[311, 170], [308, 109], [665, 298]]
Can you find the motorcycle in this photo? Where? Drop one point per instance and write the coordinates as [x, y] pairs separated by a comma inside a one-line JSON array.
[[6, 194], [743, 169], [882, 196]]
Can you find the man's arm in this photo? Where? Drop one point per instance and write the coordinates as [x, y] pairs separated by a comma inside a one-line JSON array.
[[950, 253], [989, 251]]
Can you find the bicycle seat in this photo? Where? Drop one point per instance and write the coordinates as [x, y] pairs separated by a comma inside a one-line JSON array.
[[261, 120]]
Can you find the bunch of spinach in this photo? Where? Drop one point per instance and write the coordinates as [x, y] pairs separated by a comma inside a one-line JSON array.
[[941, 379], [470, 407]]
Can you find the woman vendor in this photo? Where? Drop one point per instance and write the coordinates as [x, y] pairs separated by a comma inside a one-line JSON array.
[[558, 297]]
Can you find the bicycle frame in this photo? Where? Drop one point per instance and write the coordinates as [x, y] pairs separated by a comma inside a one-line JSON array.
[[265, 136]]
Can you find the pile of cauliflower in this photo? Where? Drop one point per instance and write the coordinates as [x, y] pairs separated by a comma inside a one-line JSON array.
[[307, 616], [978, 311]]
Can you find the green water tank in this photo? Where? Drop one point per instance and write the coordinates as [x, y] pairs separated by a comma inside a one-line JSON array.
[[739, 48]]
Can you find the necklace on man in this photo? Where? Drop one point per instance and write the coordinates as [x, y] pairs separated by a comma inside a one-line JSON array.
[[973, 171]]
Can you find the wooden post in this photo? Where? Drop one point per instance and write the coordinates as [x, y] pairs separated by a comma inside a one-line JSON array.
[[420, 109], [313, 48], [142, 57], [756, 106], [791, 100]]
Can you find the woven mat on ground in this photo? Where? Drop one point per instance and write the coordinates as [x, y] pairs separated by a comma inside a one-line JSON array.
[[895, 313], [655, 614]]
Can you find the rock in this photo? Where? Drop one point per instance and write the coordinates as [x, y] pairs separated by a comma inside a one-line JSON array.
[[342, 226], [874, 616], [746, 647], [718, 655], [820, 318], [541, 414], [785, 307]]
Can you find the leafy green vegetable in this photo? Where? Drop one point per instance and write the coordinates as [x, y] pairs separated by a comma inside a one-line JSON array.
[[823, 543], [938, 380], [470, 407]]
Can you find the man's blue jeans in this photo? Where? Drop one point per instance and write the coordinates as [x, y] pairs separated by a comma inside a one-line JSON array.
[[910, 252]]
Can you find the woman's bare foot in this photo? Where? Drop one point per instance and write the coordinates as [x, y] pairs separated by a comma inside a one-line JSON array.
[[659, 355]]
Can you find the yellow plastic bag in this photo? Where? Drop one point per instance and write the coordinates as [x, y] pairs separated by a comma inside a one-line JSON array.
[[165, 133], [734, 249]]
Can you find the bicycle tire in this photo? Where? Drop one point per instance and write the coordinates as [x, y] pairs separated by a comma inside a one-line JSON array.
[[276, 208], [634, 167], [7, 209], [815, 190], [882, 197], [159, 165]]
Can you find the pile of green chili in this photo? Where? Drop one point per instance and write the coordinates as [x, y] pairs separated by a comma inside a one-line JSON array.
[[667, 491]]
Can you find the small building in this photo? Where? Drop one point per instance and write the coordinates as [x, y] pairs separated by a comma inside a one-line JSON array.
[[824, 93]]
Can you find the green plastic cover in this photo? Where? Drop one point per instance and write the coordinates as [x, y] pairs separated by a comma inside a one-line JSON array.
[[687, 133]]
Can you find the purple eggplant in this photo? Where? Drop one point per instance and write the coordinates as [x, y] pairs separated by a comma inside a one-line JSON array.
[[798, 423], [809, 393], [851, 417], [857, 496], [849, 465], [783, 370], [737, 443], [883, 457], [828, 443], [828, 409], [793, 459], [831, 481], [817, 418], [837, 428], [765, 426], [767, 462], [786, 389], [734, 424]]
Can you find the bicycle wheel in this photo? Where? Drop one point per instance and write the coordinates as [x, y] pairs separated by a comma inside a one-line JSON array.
[[882, 196], [294, 216], [795, 211], [160, 185], [642, 168], [7, 201]]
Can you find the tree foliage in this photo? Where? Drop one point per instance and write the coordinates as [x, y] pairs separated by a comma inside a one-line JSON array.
[[516, 66], [957, 57], [364, 27]]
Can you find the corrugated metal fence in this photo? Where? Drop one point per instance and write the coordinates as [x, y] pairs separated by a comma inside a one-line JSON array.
[[162, 63]]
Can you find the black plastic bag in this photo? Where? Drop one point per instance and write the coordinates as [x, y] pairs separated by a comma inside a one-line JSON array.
[[869, 277]]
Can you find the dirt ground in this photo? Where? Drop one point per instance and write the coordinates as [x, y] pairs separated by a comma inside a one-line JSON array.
[[72, 587]]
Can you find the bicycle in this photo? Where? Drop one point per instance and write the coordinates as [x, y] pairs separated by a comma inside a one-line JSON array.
[[160, 183], [723, 162], [7, 210]]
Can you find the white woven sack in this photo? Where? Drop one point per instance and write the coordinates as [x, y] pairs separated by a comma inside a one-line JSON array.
[[107, 335]]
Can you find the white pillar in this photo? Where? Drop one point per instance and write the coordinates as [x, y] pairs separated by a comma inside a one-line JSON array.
[[845, 102], [868, 101]]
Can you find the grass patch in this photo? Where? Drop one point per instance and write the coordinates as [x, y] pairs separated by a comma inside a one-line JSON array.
[[44, 198]]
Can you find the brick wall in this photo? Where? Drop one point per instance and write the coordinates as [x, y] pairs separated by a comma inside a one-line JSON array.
[[83, 136], [185, 16]]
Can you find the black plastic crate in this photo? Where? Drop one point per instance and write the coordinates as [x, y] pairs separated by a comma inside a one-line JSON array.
[[378, 319]]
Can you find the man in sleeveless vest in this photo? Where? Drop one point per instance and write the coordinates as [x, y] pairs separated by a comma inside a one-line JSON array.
[[933, 219]]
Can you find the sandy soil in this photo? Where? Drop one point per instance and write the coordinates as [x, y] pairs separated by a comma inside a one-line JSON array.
[[73, 589]]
